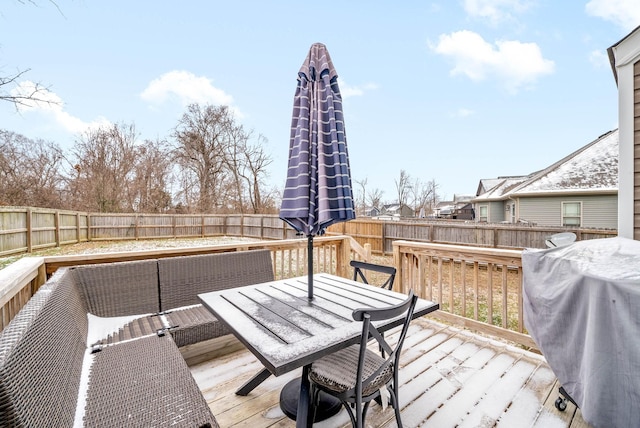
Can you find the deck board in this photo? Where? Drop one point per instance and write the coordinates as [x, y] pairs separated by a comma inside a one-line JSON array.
[[449, 377]]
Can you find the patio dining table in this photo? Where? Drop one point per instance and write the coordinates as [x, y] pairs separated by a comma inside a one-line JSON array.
[[285, 330]]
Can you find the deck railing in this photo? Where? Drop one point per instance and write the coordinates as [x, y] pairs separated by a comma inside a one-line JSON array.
[[477, 288], [20, 280]]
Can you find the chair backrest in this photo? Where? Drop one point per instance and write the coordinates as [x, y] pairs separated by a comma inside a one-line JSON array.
[[367, 316], [183, 278], [359, 268], [120, 289]]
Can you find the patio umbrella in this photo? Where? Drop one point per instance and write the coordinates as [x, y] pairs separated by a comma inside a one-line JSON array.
[[318, 189]]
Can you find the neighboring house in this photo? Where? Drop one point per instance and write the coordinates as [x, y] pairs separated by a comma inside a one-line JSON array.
[[371, 212], [494, 205], [460, 208], [625, 63], [580, 190], [443, 209], [394, 210]]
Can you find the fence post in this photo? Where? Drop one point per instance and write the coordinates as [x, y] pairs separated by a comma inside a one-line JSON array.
[[78, 227], [56, 224], [29, 226], [89, 227]]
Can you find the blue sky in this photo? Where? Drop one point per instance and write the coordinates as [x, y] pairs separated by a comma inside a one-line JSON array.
[[453, 91]]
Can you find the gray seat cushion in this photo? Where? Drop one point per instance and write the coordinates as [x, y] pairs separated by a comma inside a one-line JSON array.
[[337, 371]]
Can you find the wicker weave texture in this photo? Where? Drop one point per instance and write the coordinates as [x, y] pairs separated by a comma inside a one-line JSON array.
[[144, 383], [183, 278], [119, 289], [141, 327], [195, 324], [337, 371], [41, 354]]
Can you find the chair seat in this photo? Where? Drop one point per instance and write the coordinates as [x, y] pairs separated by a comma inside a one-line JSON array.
[[338, 371]]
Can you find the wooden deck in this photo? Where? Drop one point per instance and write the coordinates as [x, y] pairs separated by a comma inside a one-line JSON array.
[[450, 377]]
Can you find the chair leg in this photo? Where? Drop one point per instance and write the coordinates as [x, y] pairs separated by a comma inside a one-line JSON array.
[[395, 402], [354, 422], [364, 412]]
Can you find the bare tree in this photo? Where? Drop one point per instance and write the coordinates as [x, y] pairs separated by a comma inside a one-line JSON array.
[[374, 197], [403, 187], [363, 195], [423, 195], [221, 168], [105, 168], [24, 95], [202, 137], [149, 189], [256, 161], [30, 172]]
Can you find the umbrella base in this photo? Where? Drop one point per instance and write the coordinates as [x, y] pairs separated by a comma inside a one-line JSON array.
[[290, 393]]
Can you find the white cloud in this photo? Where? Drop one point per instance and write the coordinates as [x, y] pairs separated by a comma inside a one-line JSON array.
[[599, 59], [624, 13], [515, 64], [495, 11], [51, 105], [463, 112], [347, 90], [187, 88]]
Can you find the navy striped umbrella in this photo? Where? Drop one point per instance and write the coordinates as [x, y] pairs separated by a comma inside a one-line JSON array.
[[318, 190]]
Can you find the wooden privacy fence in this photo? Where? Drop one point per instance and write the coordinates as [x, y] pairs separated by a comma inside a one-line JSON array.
[[28, 229], [21, 279], [477, 288]]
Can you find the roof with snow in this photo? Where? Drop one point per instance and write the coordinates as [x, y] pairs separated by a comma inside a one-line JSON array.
[[593, 168], [502, 188]]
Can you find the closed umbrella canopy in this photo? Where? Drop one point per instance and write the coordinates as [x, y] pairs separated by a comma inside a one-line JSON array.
[[318, 189]]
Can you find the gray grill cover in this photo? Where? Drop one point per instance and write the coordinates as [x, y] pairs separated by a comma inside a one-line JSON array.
[[582, 308]]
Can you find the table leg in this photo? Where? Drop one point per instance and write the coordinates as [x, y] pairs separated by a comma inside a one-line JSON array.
[[303, 417], [252, 383]]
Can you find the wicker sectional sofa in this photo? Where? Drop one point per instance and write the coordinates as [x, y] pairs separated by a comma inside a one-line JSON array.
[[98, 345]]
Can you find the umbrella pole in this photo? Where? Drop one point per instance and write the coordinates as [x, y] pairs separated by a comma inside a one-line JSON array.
[[310, 267]]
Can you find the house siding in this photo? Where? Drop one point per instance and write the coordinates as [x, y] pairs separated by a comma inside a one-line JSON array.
[[636, 150], [496, 211], [598, 211]]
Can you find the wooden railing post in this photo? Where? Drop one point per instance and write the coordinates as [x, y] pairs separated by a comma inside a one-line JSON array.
[[397, 284], [343, 257]]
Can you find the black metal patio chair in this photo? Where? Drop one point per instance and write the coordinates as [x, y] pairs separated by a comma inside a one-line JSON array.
[[355, 375], [359, 269]]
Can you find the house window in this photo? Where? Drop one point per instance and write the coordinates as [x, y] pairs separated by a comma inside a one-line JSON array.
[[571, 213], [483, 213]]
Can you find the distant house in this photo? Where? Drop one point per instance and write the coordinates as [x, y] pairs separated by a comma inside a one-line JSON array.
[[371, 212], [460, 208], [395, 210], [580, 190]]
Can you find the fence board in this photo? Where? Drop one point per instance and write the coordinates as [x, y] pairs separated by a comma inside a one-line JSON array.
[[24, 229]]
